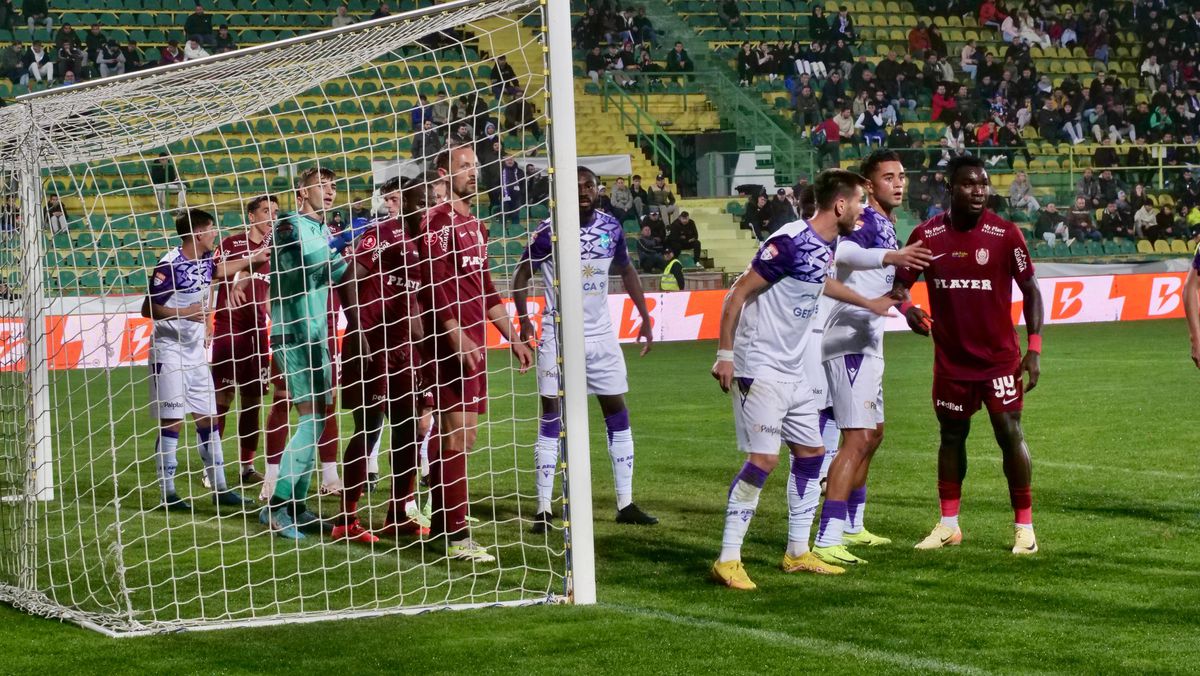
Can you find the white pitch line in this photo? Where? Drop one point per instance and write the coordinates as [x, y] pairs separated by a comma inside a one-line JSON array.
[[821, 646], [1077, 466]]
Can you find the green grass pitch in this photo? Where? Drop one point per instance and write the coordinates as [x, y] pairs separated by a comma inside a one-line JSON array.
[[1112, 430]]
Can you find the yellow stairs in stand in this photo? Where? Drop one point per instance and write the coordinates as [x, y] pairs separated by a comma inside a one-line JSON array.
[[721, 237]]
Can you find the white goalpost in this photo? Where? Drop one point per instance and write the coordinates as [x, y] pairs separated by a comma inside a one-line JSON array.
[[93, 178]]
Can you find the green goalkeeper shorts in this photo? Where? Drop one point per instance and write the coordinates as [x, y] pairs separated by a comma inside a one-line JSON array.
[[306, 369]]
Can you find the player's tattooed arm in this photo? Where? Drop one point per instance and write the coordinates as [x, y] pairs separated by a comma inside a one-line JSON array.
[[745, 287], [633, 286], [1191, 309], [840, 292], [1031, 362]]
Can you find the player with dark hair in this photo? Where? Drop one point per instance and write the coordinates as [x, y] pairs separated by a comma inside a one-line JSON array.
[[180, 380], [241, 353], [852, 356], [977, 256], [602, 253], [459, 293], [760, 358]]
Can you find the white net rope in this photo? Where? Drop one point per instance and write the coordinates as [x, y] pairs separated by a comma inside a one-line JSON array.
[[118, 161]]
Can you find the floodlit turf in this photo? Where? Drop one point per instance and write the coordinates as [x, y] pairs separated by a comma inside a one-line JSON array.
[[1112, 430]]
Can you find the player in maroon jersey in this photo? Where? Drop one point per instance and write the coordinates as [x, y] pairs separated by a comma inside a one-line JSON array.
[[381, 367], [977, 256], [459, 293], [241, 355]]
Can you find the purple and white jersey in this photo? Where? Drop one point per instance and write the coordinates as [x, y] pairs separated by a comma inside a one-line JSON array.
[[601, 249], [772, 333], [178, 282], [850, 329]]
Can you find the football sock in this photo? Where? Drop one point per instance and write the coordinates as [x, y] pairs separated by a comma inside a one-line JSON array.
[[404, 459], [219, 418], [854, 509], [329, 472], [166, 460], [354, 463], [740, 508], [620, 451], [803, 492], [833, 523], [830, 436], [295, 469], [327, 447], [249, 430], [545, 453], [425, 441], [1022, 504], [448, 480], [373, 458], [272, 472], [278, 419], [950, 495], [213, 456]]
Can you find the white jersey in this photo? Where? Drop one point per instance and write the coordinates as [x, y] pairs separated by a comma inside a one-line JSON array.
[[178, 282], [602, 248], [773, 330], [850, 329]]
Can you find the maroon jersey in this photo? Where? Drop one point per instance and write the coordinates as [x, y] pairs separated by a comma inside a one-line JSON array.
[[970, 290], [387, 293], [254, 314], [458, 285]]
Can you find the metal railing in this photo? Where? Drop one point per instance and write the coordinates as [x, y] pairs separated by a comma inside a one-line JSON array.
[[641, 85], [648, 133]]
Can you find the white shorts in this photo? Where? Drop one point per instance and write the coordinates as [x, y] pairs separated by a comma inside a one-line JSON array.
[[814, 369], [605, 366], [180, 383], [856, 388], [767, 412]]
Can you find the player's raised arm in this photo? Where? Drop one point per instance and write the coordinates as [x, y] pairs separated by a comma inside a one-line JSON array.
[[853, 256], [1191, 307], [229, 267], [745, 287]]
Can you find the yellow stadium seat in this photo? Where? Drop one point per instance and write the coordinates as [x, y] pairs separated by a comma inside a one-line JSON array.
[[1144, 246], [893, 7], [970, 35], [897, 35], [955, 20], [1162, 247], [954, 35], [1179, 246], [1165, 200], [895, 20], [877, 20]]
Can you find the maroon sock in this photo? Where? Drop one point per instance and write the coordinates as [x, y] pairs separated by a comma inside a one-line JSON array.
[[354, 467], [249, 430], [950, 495], [221, 411], [404, 480], [448, 483], [1021, 498], [327, 447], [278, 419]]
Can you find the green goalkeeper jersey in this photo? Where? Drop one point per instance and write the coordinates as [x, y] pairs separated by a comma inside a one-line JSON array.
[[302, 269]]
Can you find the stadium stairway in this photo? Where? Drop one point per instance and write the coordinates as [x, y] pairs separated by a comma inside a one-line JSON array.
[[725, 243]]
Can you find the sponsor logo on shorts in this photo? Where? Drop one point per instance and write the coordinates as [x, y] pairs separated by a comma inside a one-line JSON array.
[[768, 429], [870, 406], [170, 405], [950, 406]]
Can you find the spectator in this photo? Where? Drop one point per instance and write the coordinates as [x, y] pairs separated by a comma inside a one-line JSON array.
[[989, 15], [13, 63], [1020, 194], [70, 57], [871, 124], [111, 60], [730, 15], [504, 79], [192, 50], [512, 197], [918, 40], [595, 63], [826, 137], [937, 44], [438, 110], [165, 178], [661, 198], [1150, 72], [1164, 225], [520, 114], [818, 24], [807, 111], [537, 183], [899, 138], [94, 41], [170, 54], [7, 15], [56, 215], [622, 201], [1010, 28], [672, 274], [939, 194], [968, 59], [1191, 221], [956, 137], [846, 128], [683, 236], [650, 252], [1139, 159], [382, 11], [1072, 124], [833, 93], [1186, 189], [640, 197], [38, 63], [1010, 139], [1088, 188], [658, 228], [1051, 225], [37, 11], [1145, 220], [1113, 223], [843, 26], [1080, 223], [1110, 187], [428, 143], [941, 104], [678, 60], [757, 218], [342, 17], [134, 59], [782, 210], [199, 25], [224, 40]]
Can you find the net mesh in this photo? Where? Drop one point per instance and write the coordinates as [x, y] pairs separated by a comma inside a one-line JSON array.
[[124, 158]]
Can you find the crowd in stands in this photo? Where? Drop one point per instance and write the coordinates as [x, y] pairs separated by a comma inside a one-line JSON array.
[[621, 43]]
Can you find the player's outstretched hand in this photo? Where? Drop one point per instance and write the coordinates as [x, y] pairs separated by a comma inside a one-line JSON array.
[[523, 354], [723, 372], [914, 256], [259, 257], [882, 305], [645, 333], [1031, 366], [919, 320]]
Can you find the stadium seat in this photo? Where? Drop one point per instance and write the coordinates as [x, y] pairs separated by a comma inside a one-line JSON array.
[[1145, 247], [1179, 246], [1162, 247]]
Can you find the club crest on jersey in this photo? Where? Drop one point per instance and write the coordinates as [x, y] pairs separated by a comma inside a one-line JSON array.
[[368, 241], [605, 240], [768, 252], [981, 256]]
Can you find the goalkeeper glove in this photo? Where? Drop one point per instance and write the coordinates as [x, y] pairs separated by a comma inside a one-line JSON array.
[[346, 237]]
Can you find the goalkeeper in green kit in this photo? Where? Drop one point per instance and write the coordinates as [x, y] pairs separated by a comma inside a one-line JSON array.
[[306, 263]]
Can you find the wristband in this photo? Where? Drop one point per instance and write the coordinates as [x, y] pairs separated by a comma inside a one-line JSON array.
[[906, 306], [724, 355], [1035, 343]]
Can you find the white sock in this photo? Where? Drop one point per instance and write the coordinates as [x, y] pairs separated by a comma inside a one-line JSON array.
[[950, 521], [740, 509], [272, 474], [620, 451], [803, 492], [329, 474], [213, 457], [425, 452], [545, 455], [167, 461], [373, 458]]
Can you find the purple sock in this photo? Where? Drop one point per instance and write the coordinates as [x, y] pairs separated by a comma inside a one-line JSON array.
[[805, 470], [551, 426], [751, 474], [833, 509], [617, 422], [854, 504]]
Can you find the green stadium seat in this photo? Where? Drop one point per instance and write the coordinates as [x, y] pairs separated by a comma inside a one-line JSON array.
[[136, 281]]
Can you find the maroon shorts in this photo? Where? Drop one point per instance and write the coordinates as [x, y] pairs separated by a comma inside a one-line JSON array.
[[386, 378], [457, 390], [242, 363], [962, 398]]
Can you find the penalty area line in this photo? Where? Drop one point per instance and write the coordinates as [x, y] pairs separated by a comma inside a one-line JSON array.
[[821, 646]]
